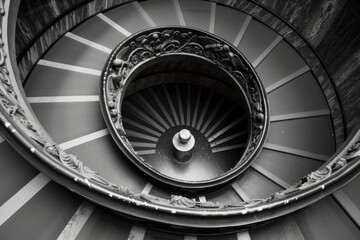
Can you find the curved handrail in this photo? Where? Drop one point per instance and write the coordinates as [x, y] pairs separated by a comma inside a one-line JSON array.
[[155, 44], [21, 129]]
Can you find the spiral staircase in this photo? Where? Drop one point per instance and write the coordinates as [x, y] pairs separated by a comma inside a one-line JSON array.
[[43, 198]]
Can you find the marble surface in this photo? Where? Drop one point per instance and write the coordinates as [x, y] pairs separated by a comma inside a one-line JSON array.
[[306, 51], [341, 41], [313, 18], [332, 28], [340, 50], [36, 15], [59, 28], [350, 89]]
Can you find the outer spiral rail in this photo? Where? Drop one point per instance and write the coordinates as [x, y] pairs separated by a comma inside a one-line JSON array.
[[67, 107]]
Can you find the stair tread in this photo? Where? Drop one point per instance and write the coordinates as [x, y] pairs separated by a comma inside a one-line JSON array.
[[98, 31], [303, 94], [256, 186], [104, 225], [162, 12], [83, 117], [15, 172], [273, 69], [52, 207], [288, 167], [69, 51], [256, 39], [196, 13], [314, 135], [129, 17], [60, 82], [326, 220], [225, 26]]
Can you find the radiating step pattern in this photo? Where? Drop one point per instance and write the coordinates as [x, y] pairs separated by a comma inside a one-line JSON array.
[[153, 116], [63, 91], [151, 112]]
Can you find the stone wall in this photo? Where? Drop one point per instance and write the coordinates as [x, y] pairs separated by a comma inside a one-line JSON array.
[[37, 15], [332, 27], [41, 22]]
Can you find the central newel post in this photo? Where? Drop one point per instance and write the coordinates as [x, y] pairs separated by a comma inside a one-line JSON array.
[[183, 144]]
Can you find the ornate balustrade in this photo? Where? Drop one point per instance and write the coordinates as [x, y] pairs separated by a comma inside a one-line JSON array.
[[20, 127], [163, 44]]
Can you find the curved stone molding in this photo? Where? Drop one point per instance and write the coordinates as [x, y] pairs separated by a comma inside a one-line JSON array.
[[22, 131], [249, 7], [279, 25], [254, 9], [149, 45]]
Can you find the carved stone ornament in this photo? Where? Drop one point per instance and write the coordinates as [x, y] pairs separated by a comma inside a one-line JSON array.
[[146, 46], [2, 10], [142, 48], [353, 151]]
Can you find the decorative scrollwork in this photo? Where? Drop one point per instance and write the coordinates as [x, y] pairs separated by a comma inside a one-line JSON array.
[[179, 201], [2, 10], [316, 177], [353, 151], [146, 47], [9, 102], [156, 43]]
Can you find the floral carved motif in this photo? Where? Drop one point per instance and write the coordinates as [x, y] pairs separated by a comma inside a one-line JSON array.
[[171, 41], [141, 49]]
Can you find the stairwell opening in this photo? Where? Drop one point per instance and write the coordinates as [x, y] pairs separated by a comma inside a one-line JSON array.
[[161, 81]]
